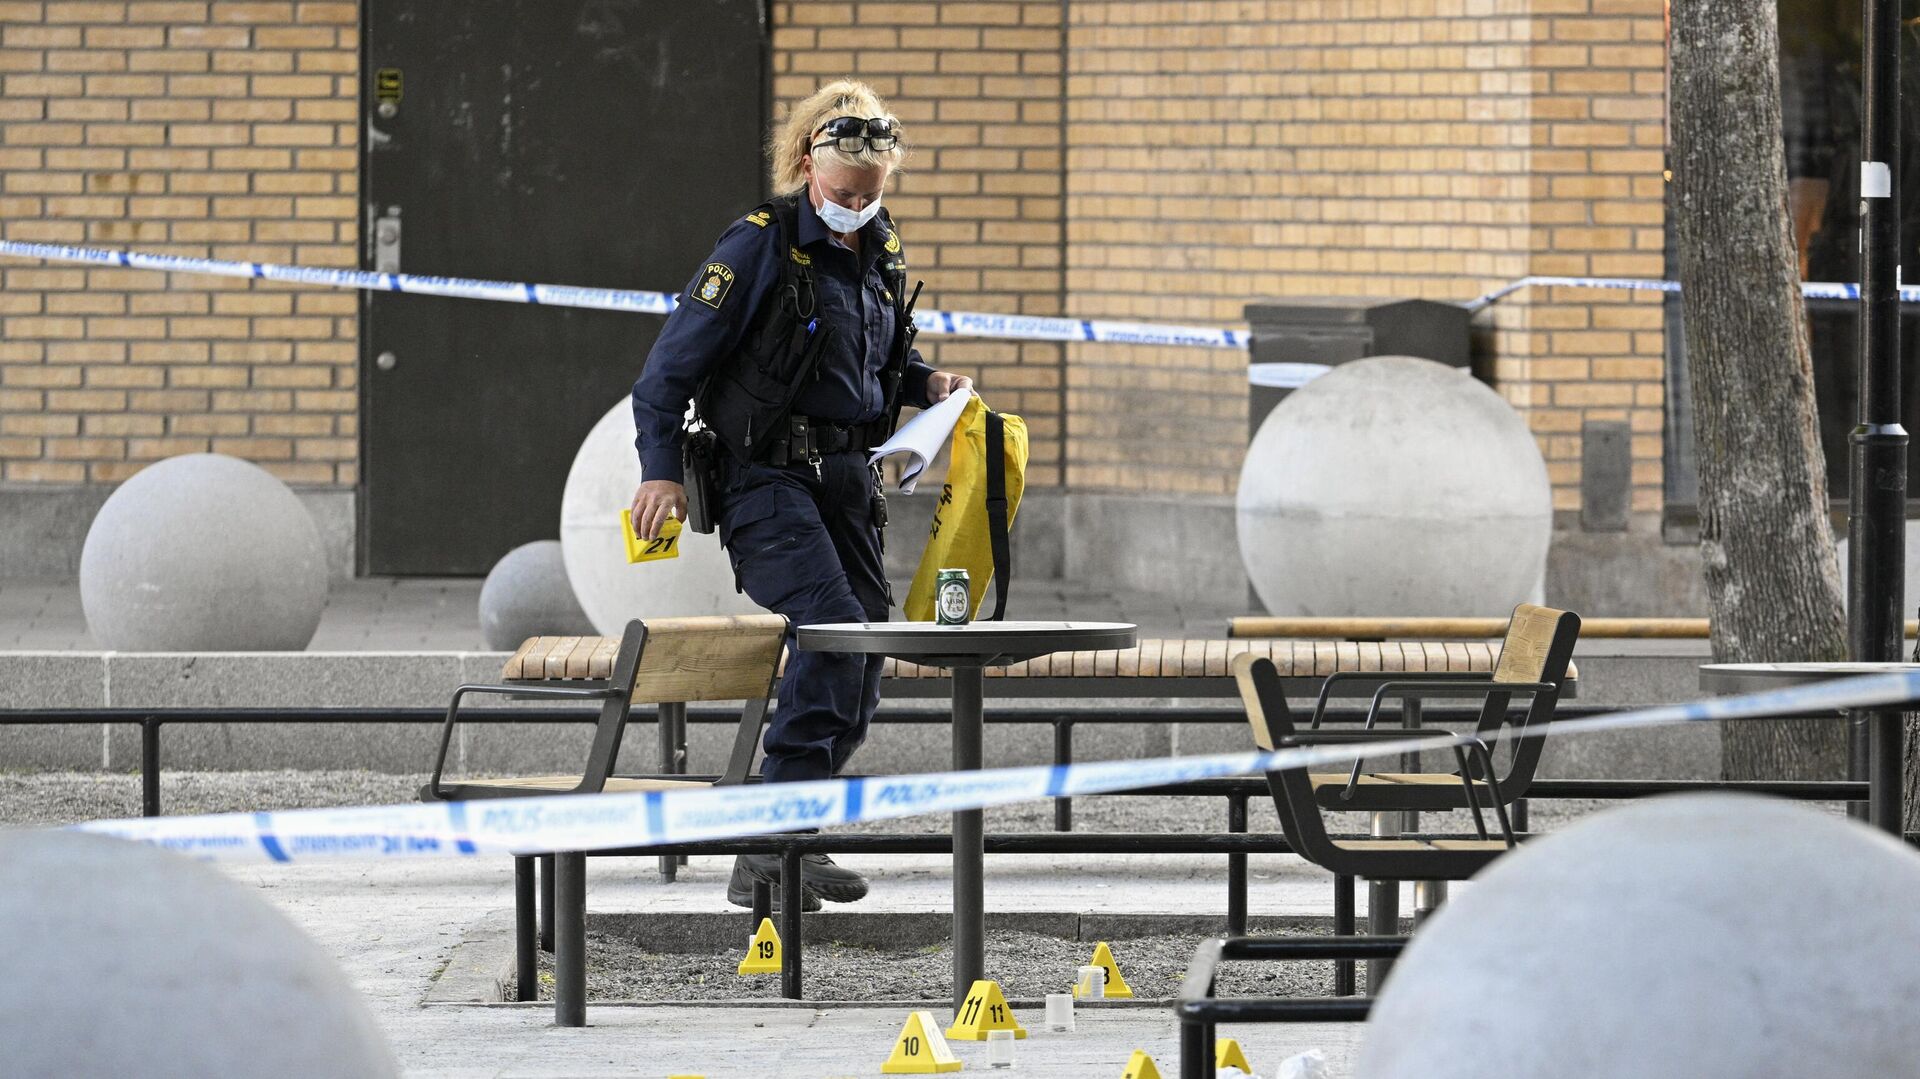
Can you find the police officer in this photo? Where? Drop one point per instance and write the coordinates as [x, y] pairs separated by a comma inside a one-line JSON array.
[[791, 342]]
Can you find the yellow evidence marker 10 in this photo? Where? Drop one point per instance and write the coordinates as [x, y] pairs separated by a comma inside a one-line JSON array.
[[1228, 1054], [1116, 985], [920, 1050], [763, 955], [666, 545], [1140, 1066], [984, 1009]]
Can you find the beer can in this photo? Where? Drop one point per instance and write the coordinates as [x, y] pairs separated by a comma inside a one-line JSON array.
[[952, 598]]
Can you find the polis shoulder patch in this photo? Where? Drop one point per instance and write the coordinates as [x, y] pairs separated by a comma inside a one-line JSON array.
[[893, 242], [715, 280], [760, 218]]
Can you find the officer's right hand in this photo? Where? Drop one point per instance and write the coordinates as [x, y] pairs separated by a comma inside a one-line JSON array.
[[653, 502]]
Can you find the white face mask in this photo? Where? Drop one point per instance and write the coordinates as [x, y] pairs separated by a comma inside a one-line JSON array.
[[842, 220]]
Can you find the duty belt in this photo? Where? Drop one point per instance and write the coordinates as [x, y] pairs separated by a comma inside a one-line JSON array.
[[809, 439]]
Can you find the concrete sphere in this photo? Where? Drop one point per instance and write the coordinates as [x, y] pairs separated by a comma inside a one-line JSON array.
[[1394, 486], [601, 483], [526, 594], [124, 959], [1690, 937], [203, 553]]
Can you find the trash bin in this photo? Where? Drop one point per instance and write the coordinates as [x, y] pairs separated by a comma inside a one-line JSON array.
[[1287, 335]]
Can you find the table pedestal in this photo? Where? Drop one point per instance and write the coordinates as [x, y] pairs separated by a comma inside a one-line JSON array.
[[969, 842]]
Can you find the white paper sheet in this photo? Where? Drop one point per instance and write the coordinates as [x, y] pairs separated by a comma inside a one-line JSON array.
[[922, 438]]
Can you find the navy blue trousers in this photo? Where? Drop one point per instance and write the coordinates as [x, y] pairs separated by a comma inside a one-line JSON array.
[[806, 547]]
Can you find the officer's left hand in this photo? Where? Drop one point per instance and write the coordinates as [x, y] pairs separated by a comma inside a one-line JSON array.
[[944, 384]]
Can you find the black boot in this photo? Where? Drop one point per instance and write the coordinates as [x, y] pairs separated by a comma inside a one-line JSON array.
[[818, 873], [740, 890]]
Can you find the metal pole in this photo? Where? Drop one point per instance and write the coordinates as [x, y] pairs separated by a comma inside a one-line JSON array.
[[1383, 904], [150, 767], [526, 956], [1343, 926], [1236, 870], [1062, 754], [792, 931], [1877, 464], [969, 842], [570, 940]]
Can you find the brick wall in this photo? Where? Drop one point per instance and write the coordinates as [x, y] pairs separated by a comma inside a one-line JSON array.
[[213, 129], [1127, 158], [977, 87], [1229, 151]]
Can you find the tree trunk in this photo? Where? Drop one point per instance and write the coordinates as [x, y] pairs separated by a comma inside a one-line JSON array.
[[1773, 576]]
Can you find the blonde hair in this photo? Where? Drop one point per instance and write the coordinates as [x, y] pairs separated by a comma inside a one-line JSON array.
[[792, 139]]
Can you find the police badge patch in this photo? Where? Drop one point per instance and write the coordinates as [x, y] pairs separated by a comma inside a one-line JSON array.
[[715, 280]]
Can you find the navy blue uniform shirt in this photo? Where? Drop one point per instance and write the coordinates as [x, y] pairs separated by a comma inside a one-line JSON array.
[[728, 293]]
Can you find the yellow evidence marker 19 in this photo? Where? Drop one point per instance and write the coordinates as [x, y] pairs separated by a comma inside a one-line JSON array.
[[666, 545], [984, 1009], [1140, 1066], [1116, 985], [1228, 1054], [920, 1050], [763, 955]]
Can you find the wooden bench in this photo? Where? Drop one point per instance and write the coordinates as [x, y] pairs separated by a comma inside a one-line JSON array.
[[1172, 667], [1383, 629]]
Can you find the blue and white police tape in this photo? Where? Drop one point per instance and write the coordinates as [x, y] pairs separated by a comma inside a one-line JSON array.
[[604, 821], [1812, 290], [944, 323]]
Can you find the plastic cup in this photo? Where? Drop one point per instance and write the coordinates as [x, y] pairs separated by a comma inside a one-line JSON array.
[[1060, 1012], [1093, 983], [1000, 1048]]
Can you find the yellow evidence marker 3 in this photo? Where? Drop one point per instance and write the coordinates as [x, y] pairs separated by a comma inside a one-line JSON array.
[[763, 955], [1116, 985], [984, 1009], [666, 545], [920, 1050], [1140, 1066]]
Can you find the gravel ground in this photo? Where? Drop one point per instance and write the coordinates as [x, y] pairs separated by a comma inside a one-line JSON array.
[[39, 798], [1028, 966]]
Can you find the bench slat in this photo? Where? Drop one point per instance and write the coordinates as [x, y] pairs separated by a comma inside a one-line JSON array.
[[574, 658]]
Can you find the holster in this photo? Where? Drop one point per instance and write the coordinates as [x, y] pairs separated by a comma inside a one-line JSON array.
[[700, 462]]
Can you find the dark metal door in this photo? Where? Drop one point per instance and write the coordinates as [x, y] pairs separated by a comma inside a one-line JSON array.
[[591, 142]]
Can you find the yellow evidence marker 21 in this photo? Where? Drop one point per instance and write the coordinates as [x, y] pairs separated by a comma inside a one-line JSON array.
[[1228, 1054], [920, 1050], [1140, 1066], [984, 1009], [763, 955], [666, 545], [1116, 985]]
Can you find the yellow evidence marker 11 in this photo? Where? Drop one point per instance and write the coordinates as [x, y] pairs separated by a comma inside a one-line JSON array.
[[763, 955], [667, 545], [920, 1050], [1228, 1054], [984, 1009], [1140, 1066], [1116, 985]]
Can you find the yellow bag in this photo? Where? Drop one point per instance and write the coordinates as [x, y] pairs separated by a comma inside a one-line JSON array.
[[964, 533]]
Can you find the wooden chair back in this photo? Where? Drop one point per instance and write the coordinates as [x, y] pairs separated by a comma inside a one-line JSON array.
[[677, 660], [1538, 648]]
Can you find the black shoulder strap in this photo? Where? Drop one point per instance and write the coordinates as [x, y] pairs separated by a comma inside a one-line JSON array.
[[785, 211], [997, 510]]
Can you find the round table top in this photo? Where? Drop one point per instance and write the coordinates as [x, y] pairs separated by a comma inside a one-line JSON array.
[[1748, 677], [985, 644]]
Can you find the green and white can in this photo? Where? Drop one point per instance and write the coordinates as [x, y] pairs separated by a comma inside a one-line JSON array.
[[952, 598]]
